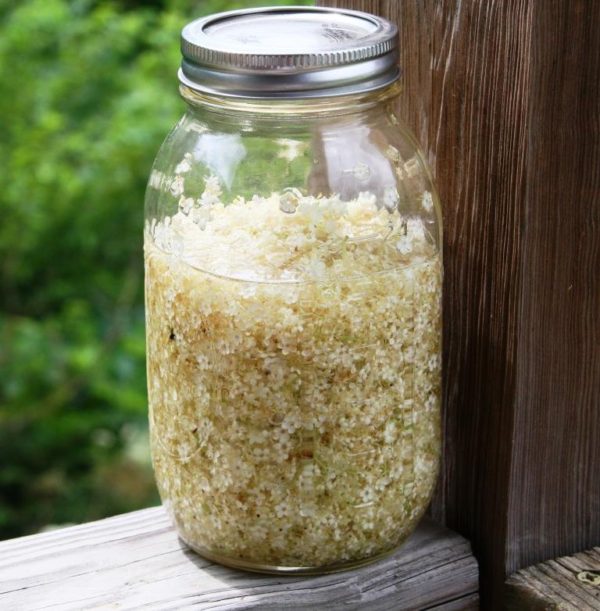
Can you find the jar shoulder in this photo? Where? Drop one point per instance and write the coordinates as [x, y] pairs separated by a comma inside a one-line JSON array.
[[346, 154]]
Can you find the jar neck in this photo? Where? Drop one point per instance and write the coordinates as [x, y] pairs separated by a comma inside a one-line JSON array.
[[289, 108]]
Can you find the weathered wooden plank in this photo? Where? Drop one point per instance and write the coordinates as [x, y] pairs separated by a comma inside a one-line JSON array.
[[570, 583], [464, 603], [504, 97], [136, 561]]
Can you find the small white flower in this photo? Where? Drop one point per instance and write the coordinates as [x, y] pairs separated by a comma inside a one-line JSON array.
[[366, 200], [290, 424], [212, 191], [427, 201], [415, 229], [433, 363], [316, 268], [390, 198], [256, 437], [431, 403], [184, 165], [312, 212], [367, 495], [368, 525], [282, 509], [389, 433], [308, 510], [404, 245], [177, 186], [201, 216], [186, 204]]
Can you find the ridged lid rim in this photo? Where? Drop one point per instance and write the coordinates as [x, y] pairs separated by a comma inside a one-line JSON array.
[[204, 48], [203, 54]]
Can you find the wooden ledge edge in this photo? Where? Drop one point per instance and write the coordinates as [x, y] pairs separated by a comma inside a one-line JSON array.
[[568, 583], [136, 560]]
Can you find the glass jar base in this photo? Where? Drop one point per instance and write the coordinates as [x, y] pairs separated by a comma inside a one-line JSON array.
[[271, 569]]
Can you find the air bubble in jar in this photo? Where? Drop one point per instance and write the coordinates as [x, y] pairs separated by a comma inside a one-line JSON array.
[[289, 200]]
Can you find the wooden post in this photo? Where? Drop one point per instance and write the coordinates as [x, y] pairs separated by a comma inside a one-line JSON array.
[[504, 97]]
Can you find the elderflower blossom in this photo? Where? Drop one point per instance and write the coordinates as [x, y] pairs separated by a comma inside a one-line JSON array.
[[185, 165], [293, 375]]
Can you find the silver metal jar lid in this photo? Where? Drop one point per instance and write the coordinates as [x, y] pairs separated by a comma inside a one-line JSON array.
[[289, 52]]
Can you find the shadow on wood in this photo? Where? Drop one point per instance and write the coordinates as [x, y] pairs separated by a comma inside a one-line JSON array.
[[136, 560]]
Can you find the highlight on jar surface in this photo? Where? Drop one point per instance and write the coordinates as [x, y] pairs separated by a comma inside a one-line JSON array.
[[293, 306]]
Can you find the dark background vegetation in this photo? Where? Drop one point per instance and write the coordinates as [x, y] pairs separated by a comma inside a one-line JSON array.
[[88, 91]]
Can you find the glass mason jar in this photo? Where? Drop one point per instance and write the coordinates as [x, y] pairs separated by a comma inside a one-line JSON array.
[[293, 289]]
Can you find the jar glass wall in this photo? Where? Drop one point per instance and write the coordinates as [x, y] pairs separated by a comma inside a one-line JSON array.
[[293, 284], [293, 293]]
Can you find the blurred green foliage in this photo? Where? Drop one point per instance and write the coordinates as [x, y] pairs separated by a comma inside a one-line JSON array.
[[88, 91]]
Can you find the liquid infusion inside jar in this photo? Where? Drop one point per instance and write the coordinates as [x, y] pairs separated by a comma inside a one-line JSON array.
[[294, 375]]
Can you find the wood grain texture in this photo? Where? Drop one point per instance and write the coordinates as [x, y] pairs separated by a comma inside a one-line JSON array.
[[136, 560], [570, 583], [504, 97], [555, 476]]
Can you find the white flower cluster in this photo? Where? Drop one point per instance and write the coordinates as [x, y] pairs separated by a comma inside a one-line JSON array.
[[294, 377]]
